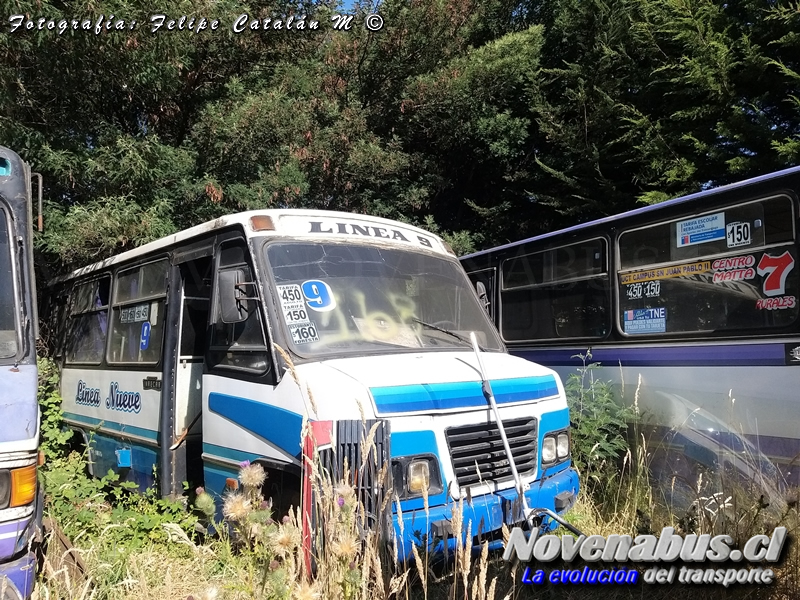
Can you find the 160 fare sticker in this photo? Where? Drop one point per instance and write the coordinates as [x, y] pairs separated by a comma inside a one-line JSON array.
[[296, 300]]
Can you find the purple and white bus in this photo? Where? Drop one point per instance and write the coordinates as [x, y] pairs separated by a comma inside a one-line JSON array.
[[20, 499], [691, 308]]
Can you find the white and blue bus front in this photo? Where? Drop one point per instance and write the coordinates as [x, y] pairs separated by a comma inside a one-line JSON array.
[[20, 511], [380, 331]]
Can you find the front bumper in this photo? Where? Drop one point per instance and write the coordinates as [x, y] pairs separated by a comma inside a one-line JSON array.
[[17, 577], [433, 532]]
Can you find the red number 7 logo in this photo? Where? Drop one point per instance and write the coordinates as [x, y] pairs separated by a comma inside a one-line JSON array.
[[776, 268]]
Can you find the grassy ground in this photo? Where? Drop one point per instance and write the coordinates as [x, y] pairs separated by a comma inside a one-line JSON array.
[[134, 546], [155, 558]]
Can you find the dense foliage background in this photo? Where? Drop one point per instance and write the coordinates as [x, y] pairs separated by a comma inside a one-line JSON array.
[[487, 120]]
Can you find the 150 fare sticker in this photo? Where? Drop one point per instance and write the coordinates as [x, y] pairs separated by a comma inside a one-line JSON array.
[[295, 314]]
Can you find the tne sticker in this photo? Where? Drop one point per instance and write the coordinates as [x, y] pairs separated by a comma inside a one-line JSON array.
[[645, 320], [318, 295]]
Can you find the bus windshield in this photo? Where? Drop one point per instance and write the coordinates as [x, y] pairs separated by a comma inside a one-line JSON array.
[[8, 309], [346, 298]]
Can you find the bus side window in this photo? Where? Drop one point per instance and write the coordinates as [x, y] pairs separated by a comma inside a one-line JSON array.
[[88, 322], [679, 285], [196, 297], [138, 315], [559, 293], [242, 345]]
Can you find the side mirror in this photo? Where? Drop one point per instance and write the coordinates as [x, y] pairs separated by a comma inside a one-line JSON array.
[[483, 295], [232, 301]]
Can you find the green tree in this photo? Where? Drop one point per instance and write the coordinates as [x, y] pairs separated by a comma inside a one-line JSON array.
[[486, 120]]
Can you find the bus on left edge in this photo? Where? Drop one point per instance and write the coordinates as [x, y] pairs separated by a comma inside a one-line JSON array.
[[20, 498]]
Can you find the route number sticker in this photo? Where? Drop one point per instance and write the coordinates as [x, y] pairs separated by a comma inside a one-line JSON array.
[[318, 295], [738, 234]]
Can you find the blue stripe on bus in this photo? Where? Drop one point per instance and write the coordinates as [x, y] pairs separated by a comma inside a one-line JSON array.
[[464, 394], [276, 425], [665, 356], [112, 426], [229, 453]]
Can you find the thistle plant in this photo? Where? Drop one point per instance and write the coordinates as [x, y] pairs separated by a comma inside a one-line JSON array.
[[245, 508]]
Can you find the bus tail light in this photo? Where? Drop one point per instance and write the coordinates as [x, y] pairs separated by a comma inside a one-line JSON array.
[[23, 485]]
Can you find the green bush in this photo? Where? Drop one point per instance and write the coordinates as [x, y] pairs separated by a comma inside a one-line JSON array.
[[599, 423], [102, 507], [54, 438]]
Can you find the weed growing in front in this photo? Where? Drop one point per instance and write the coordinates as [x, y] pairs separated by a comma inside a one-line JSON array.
[[599, 424]]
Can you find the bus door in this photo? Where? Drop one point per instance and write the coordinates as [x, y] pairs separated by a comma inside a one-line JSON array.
[[182, 422], [249, 414]]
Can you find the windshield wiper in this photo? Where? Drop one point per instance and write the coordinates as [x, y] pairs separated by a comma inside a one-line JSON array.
[[458, 336]]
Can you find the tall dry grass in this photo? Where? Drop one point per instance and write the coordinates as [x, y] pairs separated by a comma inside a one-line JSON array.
[[258, 554]]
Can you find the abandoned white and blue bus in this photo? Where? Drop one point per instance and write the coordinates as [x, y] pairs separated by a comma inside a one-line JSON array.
[[20, 500], [174, 365], [690, 305]]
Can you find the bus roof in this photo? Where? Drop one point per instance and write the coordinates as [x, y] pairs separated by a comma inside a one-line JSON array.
[[650, 208], [291, 223]]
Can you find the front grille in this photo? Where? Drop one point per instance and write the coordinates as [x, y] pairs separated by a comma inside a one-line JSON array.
[[478, 454], [369, 479]]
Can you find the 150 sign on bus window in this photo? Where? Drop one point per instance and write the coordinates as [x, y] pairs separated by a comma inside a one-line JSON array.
[[295, 313], [645, 289], [738, 234]]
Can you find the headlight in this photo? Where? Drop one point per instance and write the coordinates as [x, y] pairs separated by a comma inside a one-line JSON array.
[[5, 488], [562, 445], [416, 475], [548, 450], [419, 476]]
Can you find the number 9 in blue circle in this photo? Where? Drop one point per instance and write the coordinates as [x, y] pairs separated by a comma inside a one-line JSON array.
[[144, 341], [318, 295]]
